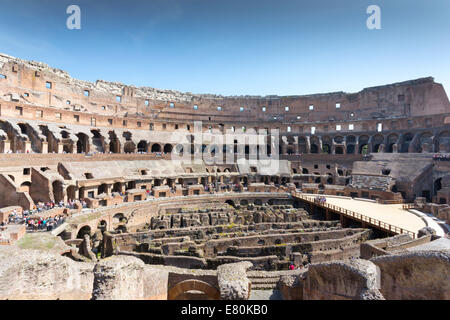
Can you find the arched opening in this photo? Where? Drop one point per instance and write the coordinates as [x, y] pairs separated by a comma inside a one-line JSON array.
[[305, 171], [244, 202], [119, 218], [376, 148], [314, 148], [230, 202], [97, 140], [168, 148], [442, 143], [350, 149], [364, 149], [390, 147], [82, 143], [25, 186], [330, 181], [156, 148], [103, 188], [326, 148], [84, 230], [102, 226], [58, 192], [339, 150], [130, 185], [189, 289], [117, 187], [406, 142], [142, 146], [437, 186], [71, 192]]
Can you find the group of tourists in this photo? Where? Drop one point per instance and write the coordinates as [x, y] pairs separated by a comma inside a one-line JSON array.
[[442, 157], [41, 223], [321, 199]]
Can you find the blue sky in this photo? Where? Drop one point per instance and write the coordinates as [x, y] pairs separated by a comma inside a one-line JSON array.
[[234, 47]]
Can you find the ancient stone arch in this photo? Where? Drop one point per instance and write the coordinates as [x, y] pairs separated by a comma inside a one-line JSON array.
[[193, 285]]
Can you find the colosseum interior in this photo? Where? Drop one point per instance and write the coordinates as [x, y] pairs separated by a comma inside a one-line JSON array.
[[131, 192]]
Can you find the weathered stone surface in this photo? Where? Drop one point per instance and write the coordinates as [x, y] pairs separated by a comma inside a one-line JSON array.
[[128, 278], [337, 280], [38, 274], [425, 232], [291, 287], [416, 275], [233, 281]]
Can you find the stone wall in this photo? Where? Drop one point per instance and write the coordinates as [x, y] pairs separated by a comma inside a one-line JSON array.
[[415, 276]]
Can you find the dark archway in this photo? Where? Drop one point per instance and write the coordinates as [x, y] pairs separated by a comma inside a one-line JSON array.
[[84, 230], [142, 146], [58, 192], [168, 148], [156, 147]]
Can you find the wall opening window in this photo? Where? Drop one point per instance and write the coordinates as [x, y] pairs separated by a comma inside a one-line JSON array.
[[58, 115], [26, 94], [176, 126], [379, 127], [338, 127], [124, 123], [338, 105], [172, 105], [241, 109], [146, 103], [263, 109], [2, 76], [150, 126], [26, 171], [93, 122], [286, 108], [77, 118], [313, 130], [88, 175], [351, 127], [86, 93], [289, 129], [118, 98], [195, 107], [139, 124], [110, 121], [233, 129], [311, 107], [219, 108], [39, 113], [48, 85], [299, 117], [19, 111], [164, 126]]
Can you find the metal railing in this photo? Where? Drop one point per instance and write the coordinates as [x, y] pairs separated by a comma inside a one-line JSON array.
[[357, 216]]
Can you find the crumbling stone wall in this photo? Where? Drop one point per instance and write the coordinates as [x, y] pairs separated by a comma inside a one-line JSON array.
[[415, 275]]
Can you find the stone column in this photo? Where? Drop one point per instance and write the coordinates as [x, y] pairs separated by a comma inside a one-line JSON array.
[[6, 146], [308, 144], [27, 146], [60, 147], [44, 148]]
